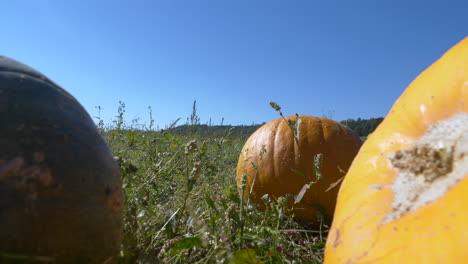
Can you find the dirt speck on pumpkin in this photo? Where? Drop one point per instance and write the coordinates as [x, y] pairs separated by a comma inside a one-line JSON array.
[[337, 240], [39, 156], [11, 167], [29, 179], [429, 168], [114, 198], [376, 187]]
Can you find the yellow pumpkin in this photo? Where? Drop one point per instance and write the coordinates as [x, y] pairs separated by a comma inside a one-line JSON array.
[[278, 159], [405, 198]]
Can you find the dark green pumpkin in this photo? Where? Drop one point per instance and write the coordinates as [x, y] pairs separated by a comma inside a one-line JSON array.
[[60, 188]]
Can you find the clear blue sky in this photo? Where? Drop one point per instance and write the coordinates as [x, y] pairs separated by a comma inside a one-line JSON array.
[[344, 59]]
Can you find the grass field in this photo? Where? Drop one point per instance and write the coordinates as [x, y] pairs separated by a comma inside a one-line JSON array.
[[182, 204]]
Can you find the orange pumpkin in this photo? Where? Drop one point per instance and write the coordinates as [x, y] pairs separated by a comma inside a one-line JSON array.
[[278, 159], [404, 199]]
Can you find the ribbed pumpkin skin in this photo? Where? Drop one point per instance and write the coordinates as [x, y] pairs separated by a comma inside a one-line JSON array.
[[60, 188], [434, 233], [282, 155]]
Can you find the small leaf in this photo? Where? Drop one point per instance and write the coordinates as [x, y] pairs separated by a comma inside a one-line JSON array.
[[168, 136], [245, 256], [131, 137], [169, 232], [224, 204], [302, 192], [184, 244], [210, 201], [232, 195], [318, 245], [213, 220], [298, 173]]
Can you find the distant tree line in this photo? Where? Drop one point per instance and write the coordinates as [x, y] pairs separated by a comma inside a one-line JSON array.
[[362, 127], [220, 131]]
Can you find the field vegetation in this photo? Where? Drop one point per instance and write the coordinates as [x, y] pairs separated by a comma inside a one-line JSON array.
[[182, 203]]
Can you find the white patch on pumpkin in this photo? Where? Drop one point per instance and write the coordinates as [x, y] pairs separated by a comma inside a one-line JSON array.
[[422, 108], [429, 168]]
